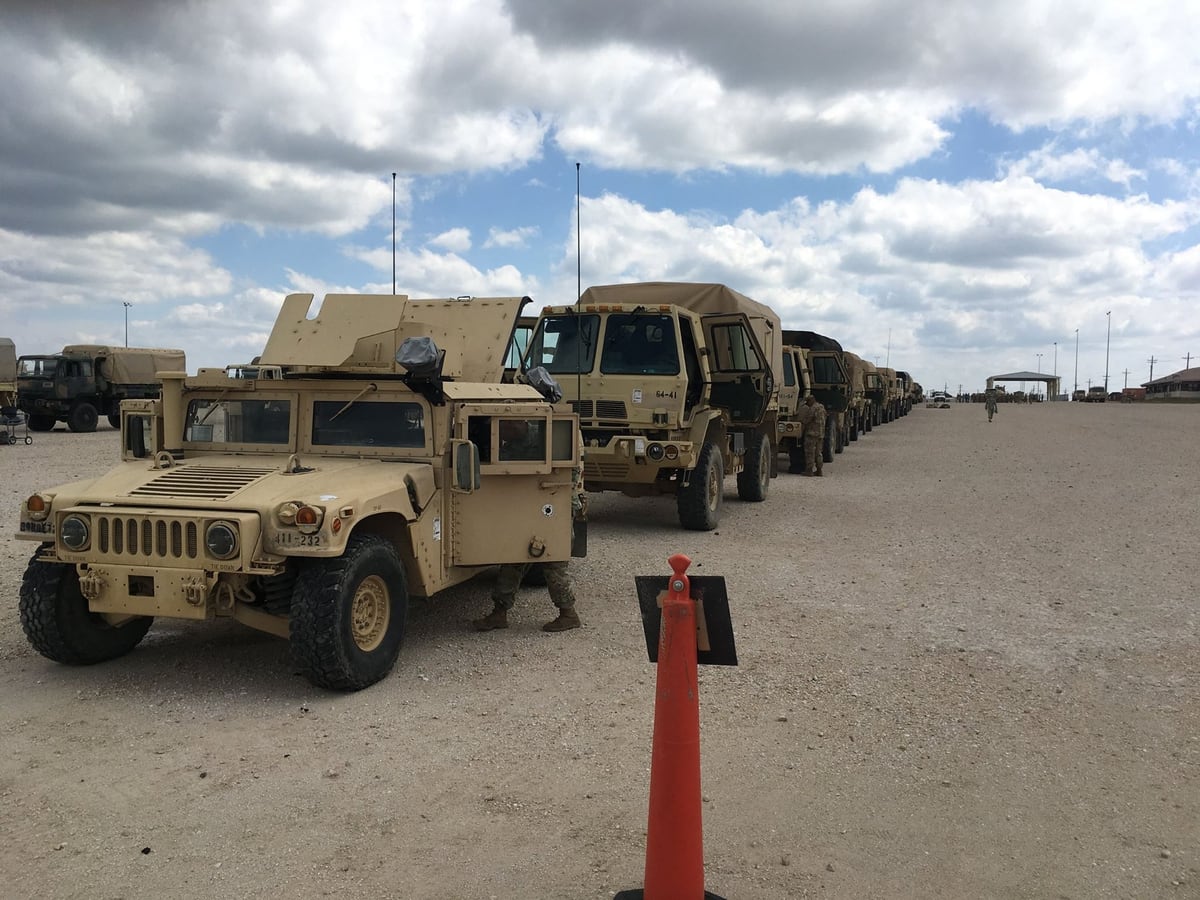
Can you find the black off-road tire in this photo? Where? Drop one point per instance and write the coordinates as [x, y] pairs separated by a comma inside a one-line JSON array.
[[82, 418], [348, 615], [796, 458], [755, 478], [699, 501], [58, 624], [41, 423], [114, 419], [854, 427]]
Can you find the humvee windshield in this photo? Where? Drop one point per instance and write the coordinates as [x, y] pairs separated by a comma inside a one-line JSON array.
[[640, 345], [218, 421], [565, 345], [377, 424]]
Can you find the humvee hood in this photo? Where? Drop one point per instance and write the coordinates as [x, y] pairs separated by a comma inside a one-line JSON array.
[[247, 481]]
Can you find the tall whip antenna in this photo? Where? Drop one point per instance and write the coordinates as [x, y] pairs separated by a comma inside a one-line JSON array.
[[393, 234], [578, 297]]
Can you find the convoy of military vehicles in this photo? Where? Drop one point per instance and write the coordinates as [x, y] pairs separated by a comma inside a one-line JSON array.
[[361, 459]]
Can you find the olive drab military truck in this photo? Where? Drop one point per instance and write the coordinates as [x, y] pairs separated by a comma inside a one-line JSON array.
[[86, 381], [797, 384], [860, 399], [8, 374], [363, 465], [830, 385], [675, 386], [905, 382]]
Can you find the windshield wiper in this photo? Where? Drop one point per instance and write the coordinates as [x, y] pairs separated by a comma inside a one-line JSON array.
[[353, 400]]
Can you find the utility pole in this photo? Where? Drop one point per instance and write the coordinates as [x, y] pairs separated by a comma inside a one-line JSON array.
[[1187, 361], [1039, 356], [1106, 343], [1152, 361], [1076, 360], [1126, 378], [126, 304]]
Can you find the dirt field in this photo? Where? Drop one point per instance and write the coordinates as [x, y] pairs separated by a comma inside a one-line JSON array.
[[970, 667]]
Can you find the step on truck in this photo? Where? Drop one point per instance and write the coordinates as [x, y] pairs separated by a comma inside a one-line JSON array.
[[675, 386], [360, 461], [86, 381]]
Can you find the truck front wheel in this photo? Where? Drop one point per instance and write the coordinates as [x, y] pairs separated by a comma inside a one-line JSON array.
[[348, 615], [59, 625], [114, 419], [755, 478], [42, 423], [829, 442], [82, 418], [699, 501]]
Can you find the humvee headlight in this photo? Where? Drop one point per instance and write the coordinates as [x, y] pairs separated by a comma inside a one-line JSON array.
[[671, 451], [221, 540], [655, 452], [38, 506], [309, 518], [75, 533]]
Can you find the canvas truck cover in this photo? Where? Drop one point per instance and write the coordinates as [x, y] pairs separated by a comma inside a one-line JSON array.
[[810, 340], [702, 299], [8, 361], [362, 332], [858, 370], [130, 365]]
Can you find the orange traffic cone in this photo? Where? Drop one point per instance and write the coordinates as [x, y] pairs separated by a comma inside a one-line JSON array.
[[674, 839]]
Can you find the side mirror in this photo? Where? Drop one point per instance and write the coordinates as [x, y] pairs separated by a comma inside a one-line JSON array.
[[465, 456]]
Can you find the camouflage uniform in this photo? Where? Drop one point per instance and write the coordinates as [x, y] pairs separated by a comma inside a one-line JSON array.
[[558, 579], [812, 418], [990, 402]]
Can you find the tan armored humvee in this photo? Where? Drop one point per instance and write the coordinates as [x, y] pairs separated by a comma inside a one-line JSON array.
[[675, 386], [355, 464]]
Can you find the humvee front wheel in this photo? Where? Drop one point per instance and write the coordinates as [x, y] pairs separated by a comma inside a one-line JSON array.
[[755, 478], [59, 625], [348, 615], [699, 501]]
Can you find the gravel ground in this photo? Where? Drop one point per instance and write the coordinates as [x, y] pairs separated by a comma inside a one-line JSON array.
[[969, 667]]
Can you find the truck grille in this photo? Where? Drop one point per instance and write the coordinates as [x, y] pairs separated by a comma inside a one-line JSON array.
[[605, 471], [601, 409], [200, 482], [147, 538]]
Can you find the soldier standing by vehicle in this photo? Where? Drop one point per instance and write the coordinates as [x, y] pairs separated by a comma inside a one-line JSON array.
[[812, 417], [989, 401], [517, 442]]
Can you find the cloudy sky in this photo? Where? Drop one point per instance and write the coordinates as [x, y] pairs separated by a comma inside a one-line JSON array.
[[951, 188]]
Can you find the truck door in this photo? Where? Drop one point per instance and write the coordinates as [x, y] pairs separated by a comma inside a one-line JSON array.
[[789, 391], [742, 382], [521, 505]]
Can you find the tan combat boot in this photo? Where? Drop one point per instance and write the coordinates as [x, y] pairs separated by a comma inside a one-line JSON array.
[[497, 618], [567, 619]]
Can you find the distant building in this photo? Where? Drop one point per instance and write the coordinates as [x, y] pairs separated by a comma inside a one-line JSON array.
[[1181, 385]]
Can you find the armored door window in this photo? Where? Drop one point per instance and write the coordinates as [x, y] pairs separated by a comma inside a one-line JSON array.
[[512, 443], [734, 351]]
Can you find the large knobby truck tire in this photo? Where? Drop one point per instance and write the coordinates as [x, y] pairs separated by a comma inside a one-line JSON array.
[[755, 478], [854, 426], [114, 419], [42, 423], [59, 625], [699, 501], [348, 615], [83, 418], [796, 458]]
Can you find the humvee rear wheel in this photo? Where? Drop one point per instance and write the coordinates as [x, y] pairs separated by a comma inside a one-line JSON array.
[[59, 625], [82, 418], [42, 423], [755, 478], [348, 615], [699, 501]]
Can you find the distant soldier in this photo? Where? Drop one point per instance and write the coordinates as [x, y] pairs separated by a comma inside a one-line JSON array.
[[989, 400], [812, 417]]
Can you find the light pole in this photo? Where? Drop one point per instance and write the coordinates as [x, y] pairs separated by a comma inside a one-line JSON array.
[[1057, 390], [1076, 362], [1108, 315], [126, 304]]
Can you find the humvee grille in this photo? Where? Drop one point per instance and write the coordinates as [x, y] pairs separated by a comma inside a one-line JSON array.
[[150, 538], [605, 471], [200, 482]]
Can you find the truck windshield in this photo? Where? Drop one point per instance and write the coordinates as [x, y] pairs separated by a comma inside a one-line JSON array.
[[640, 344], [825, 370], [565, 345], [222, 421], [37, 366]]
